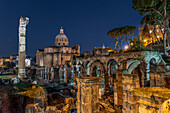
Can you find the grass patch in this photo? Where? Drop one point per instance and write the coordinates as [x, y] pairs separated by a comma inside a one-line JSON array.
[[23, 86], [7, 76]]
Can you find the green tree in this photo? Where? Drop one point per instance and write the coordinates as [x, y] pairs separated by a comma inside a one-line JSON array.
[[137, 45], [115, 34], [159, 9], [122, 33], [127, 32]]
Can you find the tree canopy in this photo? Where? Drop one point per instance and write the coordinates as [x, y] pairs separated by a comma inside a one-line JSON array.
[[118, 33], [154, 12], [122, 31]]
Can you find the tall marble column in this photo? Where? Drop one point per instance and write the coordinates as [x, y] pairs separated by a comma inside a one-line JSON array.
[[22, 32]]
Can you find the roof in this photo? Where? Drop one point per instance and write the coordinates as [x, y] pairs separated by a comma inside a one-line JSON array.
[[108, 48]]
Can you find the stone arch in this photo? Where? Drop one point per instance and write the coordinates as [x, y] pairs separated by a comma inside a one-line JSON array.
[[132, 65], [140, 70], [87, 67], [99, 64], [112, 67], [148, 55], [82, 69], [137, 67], [152, 65]]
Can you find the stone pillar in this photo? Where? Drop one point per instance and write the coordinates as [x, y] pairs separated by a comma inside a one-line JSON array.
[[88, 94], [157, 79], [45, 73], [48, 73], [56, 75], [66, 75], [52, 74], [129, 81], [22, 32], [106, 81], [41, 73], [118, 92]]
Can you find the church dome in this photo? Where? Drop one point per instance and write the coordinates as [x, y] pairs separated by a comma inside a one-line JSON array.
[[61, 39]]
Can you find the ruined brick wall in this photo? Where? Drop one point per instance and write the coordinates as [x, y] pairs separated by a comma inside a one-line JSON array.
[[129, 81], [118, 92], [157, 79], [88, 94]]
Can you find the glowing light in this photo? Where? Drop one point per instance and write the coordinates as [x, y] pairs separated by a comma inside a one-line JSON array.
[[126, 47], [144, 40]]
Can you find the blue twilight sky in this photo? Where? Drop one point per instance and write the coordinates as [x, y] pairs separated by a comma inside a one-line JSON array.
[[85, 22]]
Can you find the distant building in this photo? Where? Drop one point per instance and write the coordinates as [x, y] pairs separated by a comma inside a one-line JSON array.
[[29, 61], [151, 38], [54, 56], [14, 59], [4, 59]]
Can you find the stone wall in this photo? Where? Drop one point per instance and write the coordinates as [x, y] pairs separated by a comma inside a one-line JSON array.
[[88, 94], [151, 98], [118, 92], [157, 79], [129, 81]]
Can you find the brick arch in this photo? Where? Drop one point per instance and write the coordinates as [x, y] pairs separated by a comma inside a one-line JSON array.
[[110, 61], [133, 65], [87, 65], [152, 55], [140, 70], [111, 76], [82, 71], [100, 65], [152, 65]]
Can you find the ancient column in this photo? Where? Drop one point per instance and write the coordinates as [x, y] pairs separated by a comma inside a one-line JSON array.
[[129, 102], [88, 94], [118, 92], [22, 32]]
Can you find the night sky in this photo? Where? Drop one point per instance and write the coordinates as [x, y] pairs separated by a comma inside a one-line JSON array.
[[85, 22]]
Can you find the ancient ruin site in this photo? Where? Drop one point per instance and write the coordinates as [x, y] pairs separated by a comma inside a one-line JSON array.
[[85, 56]]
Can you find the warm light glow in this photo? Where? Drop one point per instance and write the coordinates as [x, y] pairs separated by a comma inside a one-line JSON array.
[[126, 47], [144, 40], [150, 31]]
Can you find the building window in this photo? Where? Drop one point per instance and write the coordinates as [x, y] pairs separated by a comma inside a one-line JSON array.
[[157, 30], [58, 43], [64, 44], [150, 31]]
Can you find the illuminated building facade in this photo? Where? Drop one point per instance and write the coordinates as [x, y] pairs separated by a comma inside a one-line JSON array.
[[151, 38], [54, 56], [4, 59]]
